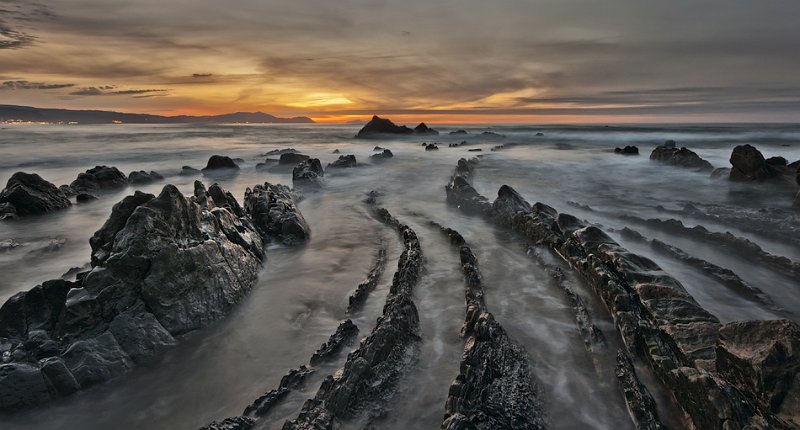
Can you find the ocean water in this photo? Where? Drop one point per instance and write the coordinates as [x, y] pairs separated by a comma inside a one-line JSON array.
[[302, 291]]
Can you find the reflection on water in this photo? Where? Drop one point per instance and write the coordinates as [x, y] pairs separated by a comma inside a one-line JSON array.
[[302, 292]]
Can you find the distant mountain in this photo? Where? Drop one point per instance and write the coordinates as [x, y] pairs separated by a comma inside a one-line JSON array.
[[26, 113]]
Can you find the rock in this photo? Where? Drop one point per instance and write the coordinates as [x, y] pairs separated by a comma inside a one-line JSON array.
[[292, 380], [141, 177], [344, 161], [59, 377], [491, 134], [99, 178], [7, 211], [95, 360], [540, 134], [85, 198], [220, 162], [683, 157], [431, 147], [720, 173], [29, 194], [274, 214], [8, 244], [189, 171], [344, 334], [777, 161], [378, 126], [292, 159], [67, 190], [424, 130], [628, 150], [385, 155], [335, 151], [763, 358], [669, 144], [233, 423], [641, 405], [357, 299], [21, 385], [749, 165], [280, 151], [459, 132], [377, 148], [103, 240], [268, 162], [308, 173]]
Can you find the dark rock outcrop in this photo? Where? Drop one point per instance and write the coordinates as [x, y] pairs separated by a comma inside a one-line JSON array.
[[749, 165], [641, 405], [683, 157], [378, 126], [627, 150], [161, 267], [99, 178], [371, 371], [189, 171], [220, 162], [233, 423], [495, 388], [294, 379], [357, 299], [344, 334], [308, 173], [280, 151], [29, 194], [292, 159], [424, 130], [431, 147], [385, 155], [85, 198], [344, 161], [141, 177], [272, 209], [461, 131]]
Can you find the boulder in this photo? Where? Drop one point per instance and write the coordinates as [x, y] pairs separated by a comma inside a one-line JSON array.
[[424, 130], [344, 161], [749, 165], [292, 159], [85, 198], [99, 178], [627, 150], [141, 177], [385, 155], [220, 162], [682, 157], [308, 172], [763, 358], [720, 173], [777, 161], [29, 194], [280, 151], [378, 126], [274, 214], [431, 147]]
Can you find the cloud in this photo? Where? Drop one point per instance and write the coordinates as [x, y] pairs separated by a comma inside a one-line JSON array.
[[104, 91], [201, 75], [27, 85]]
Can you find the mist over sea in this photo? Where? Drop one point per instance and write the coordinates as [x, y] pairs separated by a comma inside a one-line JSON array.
[[302, 291]]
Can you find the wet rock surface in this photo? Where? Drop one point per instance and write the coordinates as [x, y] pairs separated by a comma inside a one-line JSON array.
[[344, 334], [292, 159], [272, 209], [344, 161], [683, 157], [371, 372], [220, 162], [495, 388], [749, 165], [29, 194], [141, 177], [308, 173], [641, 405], [161, 267], [359, 296], [383, 156], [99, 178]]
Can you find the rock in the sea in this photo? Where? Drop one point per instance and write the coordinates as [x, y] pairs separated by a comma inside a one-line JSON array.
[[378, 126], [220, 162], [344, 161], [627, 150], [683, 157], [85, 198], [423, 130], [233, 423], [336, 151], [141, 177], [29, 194], [308, 172], [491, 134], [274, 214], [344, 334], [161, 267], [189, 171], [292, 159], [431, 147], [749, 165], [385, 155], [763, 357], [99, 178], [459, 132], [280, 151]]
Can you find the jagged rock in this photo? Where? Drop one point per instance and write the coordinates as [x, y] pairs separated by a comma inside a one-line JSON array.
[[344, 333], [763, 357], [460, 193], [682, 157], [144, 289], [29, 194], [220, 162], [308, 172], [424, 130], [21, 385], [265, 403], [189, 171], [344, 161], [641, 405], [385, 155], [377, 148], [274, 214], [67, 190], [378, 126], [749, 165], [141, 177], [99, 178], [280, 151], [431, 147], [292, 159], [233, 423], [371, 372], [357, 299], [627, 150]]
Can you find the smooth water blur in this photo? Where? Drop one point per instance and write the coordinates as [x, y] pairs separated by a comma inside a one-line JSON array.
[[302, 291]]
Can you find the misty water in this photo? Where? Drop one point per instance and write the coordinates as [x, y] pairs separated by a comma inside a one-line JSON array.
[[302, 291]]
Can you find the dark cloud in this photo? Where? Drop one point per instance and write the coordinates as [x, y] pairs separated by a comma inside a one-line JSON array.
[[27, 85], [103, 91], [202, 75], [15, 16]]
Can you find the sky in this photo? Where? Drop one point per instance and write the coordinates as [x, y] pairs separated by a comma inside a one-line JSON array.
[[451, 61]]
